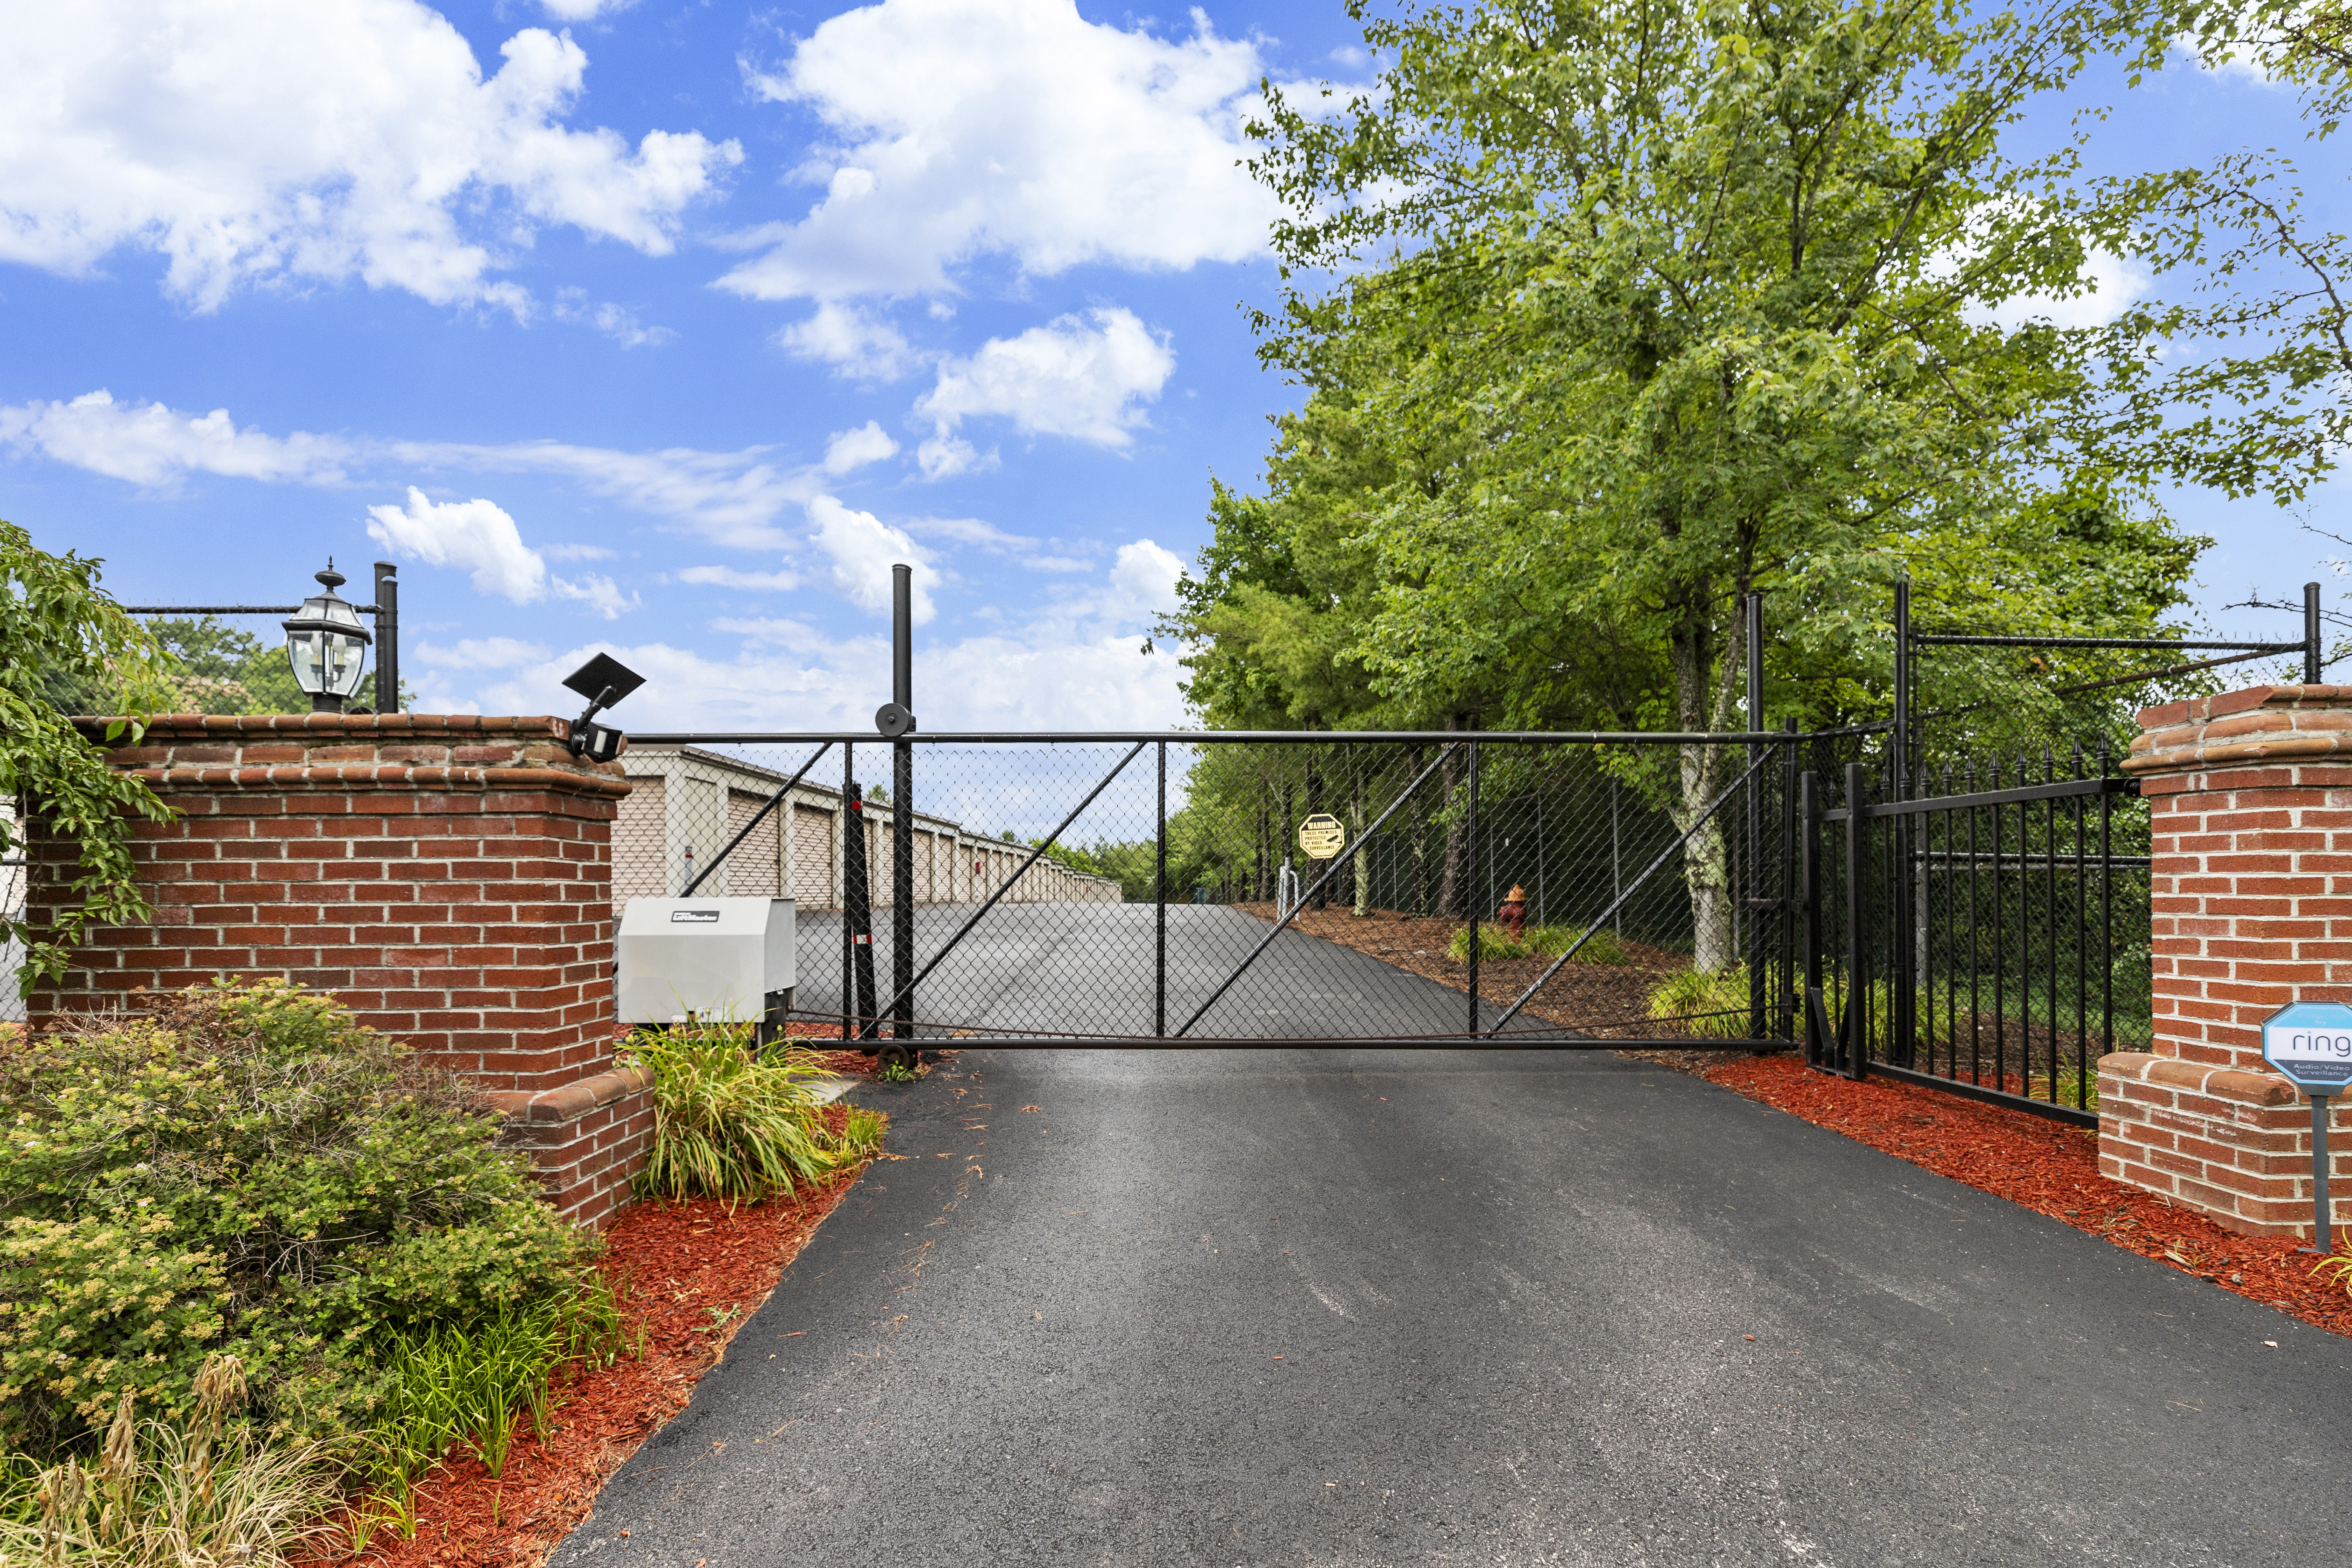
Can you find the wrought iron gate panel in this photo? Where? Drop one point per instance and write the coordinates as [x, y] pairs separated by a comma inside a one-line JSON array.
[[1987, 930]]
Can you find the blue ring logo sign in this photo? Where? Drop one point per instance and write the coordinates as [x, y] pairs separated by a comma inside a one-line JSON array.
[[2311, 1043]]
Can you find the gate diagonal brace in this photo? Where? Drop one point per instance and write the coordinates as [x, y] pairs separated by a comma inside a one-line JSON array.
[[1700, 821], [1013, 881], [1330, 869], [761, 815]]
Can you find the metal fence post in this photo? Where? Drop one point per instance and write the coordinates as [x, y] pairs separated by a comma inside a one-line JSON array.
[[902, 808], [1470, 875], [387, 638], [1856, 1024], [1754, 893], [1809, 894], [1159, 919], [2310, 634]]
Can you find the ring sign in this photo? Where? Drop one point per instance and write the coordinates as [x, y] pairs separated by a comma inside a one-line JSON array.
[[2311, 1043], [1322, 836]]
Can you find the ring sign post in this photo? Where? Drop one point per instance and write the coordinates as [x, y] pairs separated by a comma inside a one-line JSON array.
[[2311, 1044]]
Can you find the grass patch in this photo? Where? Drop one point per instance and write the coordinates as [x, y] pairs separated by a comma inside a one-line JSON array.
[[733, 1124], [1539, 942], [1709, 1002]]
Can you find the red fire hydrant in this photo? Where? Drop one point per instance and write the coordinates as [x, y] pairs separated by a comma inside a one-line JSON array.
[[1514, 913]]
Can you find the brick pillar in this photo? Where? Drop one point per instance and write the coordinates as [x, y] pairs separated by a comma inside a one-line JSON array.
[[450, 877], [2251, 804]]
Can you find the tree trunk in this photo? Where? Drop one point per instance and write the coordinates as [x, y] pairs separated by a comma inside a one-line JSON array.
[[1699, 698], [1453, 891]]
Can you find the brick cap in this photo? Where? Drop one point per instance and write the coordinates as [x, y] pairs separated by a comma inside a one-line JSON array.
[[357, 726], [2257, 724], [2237, 1084], [569, 1101]]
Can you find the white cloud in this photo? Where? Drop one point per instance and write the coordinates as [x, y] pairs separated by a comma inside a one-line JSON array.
[[971, 531], [280, 141], [482, 652], [577, 553], [944, 457], [855, 343], [728, 578], [478, 536], [471, 535], [850, 449], [601, 594], [1065, 378], [971, 128], [583, 10], [572, 305], [729, 497], [862, 549], [148, 444], [2112, 285], [1143, 581]]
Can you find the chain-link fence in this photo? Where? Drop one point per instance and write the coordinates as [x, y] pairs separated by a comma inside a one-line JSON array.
[[1205, 886]]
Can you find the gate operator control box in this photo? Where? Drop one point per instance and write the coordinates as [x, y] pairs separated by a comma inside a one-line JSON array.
[[728, 959]]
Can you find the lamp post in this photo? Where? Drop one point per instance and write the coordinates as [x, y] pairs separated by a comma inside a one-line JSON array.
[[326, 645]]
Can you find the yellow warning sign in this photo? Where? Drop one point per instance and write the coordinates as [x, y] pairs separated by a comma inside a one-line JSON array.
[[1322, 836]]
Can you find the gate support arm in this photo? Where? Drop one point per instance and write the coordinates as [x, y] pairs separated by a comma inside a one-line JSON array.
[[1330, 868]]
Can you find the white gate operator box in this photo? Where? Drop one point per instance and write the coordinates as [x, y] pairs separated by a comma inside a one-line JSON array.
[[728, 959]]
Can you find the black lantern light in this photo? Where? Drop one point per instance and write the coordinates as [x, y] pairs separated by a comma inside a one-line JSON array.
[[327, 647]]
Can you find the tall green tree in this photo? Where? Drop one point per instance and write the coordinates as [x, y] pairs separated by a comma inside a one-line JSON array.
[[1672, 301], [61, 636]]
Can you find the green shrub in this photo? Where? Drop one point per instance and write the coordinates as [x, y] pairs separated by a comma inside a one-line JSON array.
[[1707, 1002], [732, 1124], [244, 1170], [1539, 942]]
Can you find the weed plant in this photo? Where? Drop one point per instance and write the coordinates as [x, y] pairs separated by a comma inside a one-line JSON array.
[[1539, 942], [733, 1124]]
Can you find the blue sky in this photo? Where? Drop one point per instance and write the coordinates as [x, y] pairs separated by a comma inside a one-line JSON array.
[[666, 328]]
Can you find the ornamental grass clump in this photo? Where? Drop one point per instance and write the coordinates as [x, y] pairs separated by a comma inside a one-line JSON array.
[[732, 1123], [1710, 1003], [160, 1494]]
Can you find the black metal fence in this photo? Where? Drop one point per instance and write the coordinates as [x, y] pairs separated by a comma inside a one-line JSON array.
[[1985, 930], [1474, 888]]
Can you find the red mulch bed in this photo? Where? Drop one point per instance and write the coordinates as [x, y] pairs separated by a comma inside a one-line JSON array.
[[690, 1274], [2047, 1166]]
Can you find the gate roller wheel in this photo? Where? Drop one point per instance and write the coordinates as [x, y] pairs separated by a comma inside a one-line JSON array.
[[898, 1055]]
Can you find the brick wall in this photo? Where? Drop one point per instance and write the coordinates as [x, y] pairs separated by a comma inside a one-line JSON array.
[[2251, 826], [450, 877]]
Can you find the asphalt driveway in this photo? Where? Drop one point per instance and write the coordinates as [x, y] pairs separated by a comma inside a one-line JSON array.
[[1332, 1307]]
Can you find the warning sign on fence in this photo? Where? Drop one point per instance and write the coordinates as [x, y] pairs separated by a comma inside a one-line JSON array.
[[1322, 836]]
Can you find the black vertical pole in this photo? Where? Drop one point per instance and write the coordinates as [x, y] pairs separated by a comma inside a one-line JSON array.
[[1903, 1004], [2310, 634], [1160, 917], [1856, 1028], [387, 637], [2323, 1217], [1755, 883], [1786, 890], [1470, 893], [850, 837], [1808, 892], [902, 806]]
